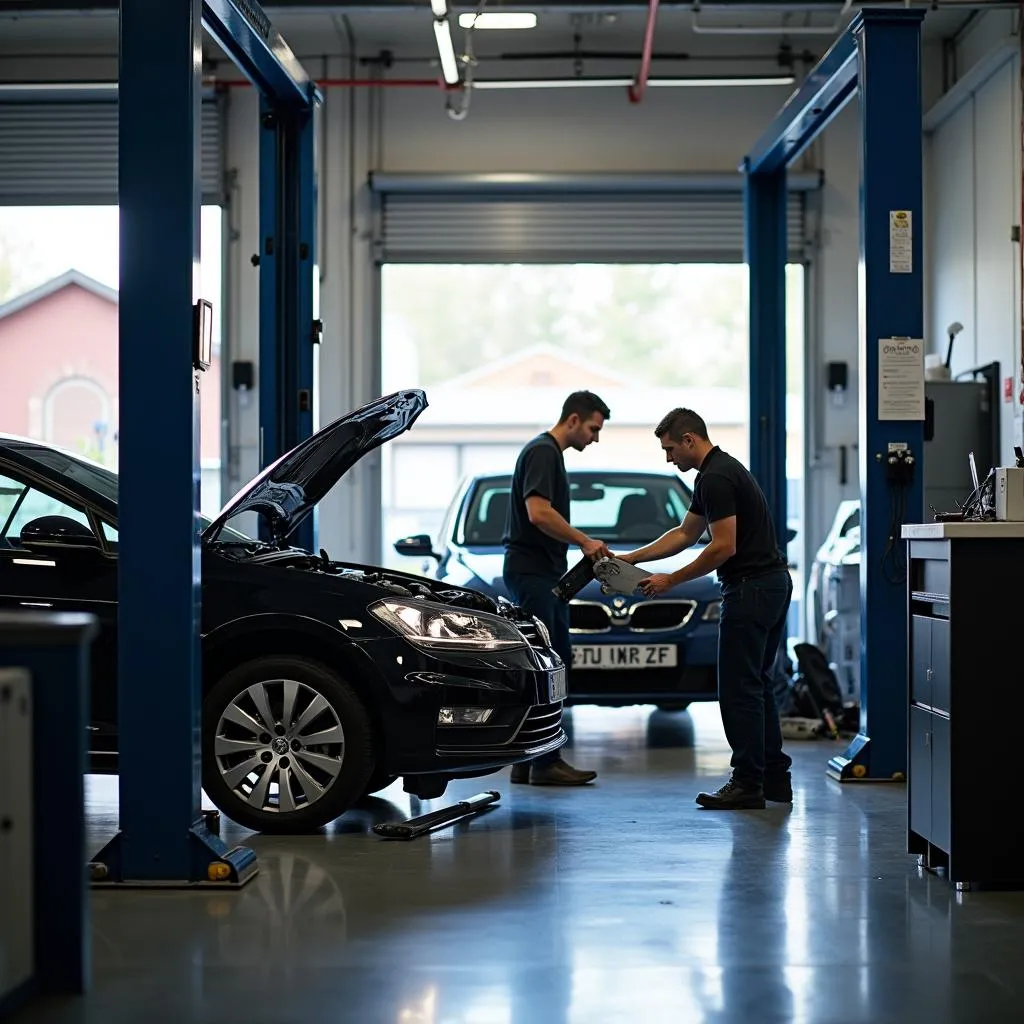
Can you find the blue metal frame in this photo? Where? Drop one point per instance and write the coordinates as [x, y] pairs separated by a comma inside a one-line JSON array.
[[879, 58], [287, 332], [163, 837], [765, 241]]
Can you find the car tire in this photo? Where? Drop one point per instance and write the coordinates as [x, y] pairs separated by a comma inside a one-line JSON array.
[[323, 779]]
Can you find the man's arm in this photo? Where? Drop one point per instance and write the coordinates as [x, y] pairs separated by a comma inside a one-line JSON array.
[[720, 510], [678, 539], [721, 548], [548, 521]]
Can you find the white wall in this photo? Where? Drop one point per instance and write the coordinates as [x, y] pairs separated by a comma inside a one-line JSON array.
[[568, 130], [973, 202]]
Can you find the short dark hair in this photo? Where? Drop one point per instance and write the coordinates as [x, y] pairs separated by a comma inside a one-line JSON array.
[[679, 422], [584, 404]]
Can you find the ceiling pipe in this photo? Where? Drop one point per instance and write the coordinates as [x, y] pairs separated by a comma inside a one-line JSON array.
[[770, 30], [351, 83], [637, 89]]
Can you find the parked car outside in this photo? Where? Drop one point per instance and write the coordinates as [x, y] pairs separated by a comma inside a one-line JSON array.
[[322, 681], [846, 518], [626, 650]]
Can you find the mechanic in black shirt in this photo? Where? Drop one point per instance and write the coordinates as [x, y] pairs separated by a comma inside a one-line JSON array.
[[537, 539], [756, 592]]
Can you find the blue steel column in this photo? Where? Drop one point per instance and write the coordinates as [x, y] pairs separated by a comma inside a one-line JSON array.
[[766, 265], [892, 305], [287, 336], [162, 836]]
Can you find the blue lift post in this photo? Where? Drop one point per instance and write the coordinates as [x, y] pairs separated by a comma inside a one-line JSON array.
[[288, 333], [879, 57], [163, 839]]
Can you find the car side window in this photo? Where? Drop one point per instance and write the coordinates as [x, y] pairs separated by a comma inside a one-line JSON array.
[[29, 503]]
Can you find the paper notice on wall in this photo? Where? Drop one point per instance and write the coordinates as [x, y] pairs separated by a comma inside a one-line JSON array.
[[901, 242], [900, 379]]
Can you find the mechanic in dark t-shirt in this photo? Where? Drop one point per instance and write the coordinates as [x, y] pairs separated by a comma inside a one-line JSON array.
[[537, 539], [756, 593]]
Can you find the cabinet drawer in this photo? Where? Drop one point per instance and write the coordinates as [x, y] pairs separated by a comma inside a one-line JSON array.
[[941, 669], [935, 576], [920, 663], [920, 773]]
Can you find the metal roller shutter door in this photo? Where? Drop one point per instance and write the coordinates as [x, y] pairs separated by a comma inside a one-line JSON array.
[[65, 153], [437, 226]]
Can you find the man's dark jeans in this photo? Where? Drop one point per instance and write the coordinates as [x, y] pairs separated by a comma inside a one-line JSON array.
[[533, 594], [753, 621]]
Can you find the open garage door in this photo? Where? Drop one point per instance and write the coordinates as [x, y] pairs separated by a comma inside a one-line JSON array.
[[571, 218], [64, 152]]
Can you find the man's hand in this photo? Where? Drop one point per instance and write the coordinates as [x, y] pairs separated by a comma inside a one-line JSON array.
[[657, 584], [595, 549]]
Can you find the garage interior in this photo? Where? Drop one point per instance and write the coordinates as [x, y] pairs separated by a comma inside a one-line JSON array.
[[328, 163]]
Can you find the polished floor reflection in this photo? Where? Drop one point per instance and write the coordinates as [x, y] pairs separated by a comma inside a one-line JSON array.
[[624, 902]]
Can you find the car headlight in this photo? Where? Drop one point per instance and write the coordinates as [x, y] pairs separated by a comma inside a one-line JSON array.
[[441, 627], [713, 612]]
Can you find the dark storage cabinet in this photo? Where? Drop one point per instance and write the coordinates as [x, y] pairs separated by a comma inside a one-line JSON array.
[[965, 686]]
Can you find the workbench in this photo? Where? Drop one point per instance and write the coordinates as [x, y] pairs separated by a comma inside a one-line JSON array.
[[965, 692]]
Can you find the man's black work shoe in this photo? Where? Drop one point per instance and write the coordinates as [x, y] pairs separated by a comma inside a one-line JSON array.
[[520, 772], [779, 790], [560, 773], [732, 797]]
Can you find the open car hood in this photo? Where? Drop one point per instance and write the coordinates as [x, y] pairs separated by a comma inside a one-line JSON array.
[[288, 490]]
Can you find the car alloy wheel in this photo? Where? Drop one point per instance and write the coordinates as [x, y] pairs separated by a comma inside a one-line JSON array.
[[279, 745], [287, 745]]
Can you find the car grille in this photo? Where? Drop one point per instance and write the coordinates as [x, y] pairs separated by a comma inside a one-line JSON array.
[[653, 616], [540, 726], [588, 617], [529, 629]]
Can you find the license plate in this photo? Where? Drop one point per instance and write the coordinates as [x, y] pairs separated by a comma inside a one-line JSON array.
[[556, 685], [620, 656]]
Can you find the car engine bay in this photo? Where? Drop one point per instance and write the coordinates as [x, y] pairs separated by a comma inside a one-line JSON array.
[[386, 579]]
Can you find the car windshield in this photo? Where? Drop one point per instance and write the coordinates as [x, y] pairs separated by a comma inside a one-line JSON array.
[[618, 508], [99, 479]]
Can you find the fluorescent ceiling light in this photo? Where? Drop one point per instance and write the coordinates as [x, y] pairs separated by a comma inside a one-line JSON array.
[[439, 7], [498, 19], [620, 83], [445, 50]]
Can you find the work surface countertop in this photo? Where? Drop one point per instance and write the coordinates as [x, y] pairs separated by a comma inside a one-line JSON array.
[[963, 531]]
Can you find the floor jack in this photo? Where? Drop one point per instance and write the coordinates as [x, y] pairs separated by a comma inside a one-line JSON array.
[[435, 819]]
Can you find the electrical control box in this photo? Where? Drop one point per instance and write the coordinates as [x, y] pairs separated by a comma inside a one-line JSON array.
[[1010, 494]]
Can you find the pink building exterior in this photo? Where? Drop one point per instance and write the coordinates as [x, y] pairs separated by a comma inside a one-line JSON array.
[[58, 370]]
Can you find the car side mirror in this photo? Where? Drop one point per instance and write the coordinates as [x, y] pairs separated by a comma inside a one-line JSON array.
[[53, 534], [418, 546]]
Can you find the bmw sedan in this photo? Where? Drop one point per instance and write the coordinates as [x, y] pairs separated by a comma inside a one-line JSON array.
[[626, 650], [323, 681]]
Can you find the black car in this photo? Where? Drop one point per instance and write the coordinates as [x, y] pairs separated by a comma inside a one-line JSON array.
[[364, 673]]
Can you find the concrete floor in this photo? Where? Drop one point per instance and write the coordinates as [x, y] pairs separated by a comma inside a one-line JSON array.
[[621, 903]]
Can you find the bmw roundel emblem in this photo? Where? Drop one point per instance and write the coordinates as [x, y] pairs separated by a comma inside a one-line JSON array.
[[619, 603]]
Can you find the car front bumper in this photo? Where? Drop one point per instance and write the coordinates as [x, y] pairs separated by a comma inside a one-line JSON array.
[[524, 691]]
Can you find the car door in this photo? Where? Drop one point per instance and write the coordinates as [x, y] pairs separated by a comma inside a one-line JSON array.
[[61, 581]]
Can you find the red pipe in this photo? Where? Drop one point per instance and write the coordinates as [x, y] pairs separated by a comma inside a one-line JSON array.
[[639, 87]]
